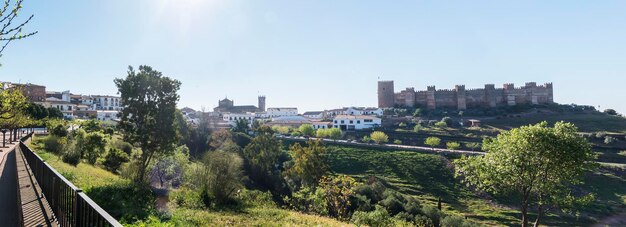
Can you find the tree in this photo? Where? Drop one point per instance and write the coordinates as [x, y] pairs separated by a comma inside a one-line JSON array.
[[432, 142], [263, 152], [417, 112], [54, 113], [473, 146], [441, 124], [610, 112], [241, 125], [309, 163], [219, 138], [222, 175], [306, 130], [537, 162], [334, 133], [148, 117], [92, 125], [417, 128], [114, 159], [453, 145], [321, 133], [609, 140], [95, 143], [9, 33], [337, 191], [379, 137], [448, 121], [397, 141]]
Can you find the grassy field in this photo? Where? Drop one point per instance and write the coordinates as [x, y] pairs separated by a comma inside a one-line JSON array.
[[136, 206], [585, 121], [428, 177]]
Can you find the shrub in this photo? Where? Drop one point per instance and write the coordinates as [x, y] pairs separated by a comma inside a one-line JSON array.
[[222, 175], [610, 112], [441, 124], [378, 217], [433, 214], [296, 133], [114, 159], [308, 200], [334, 133], [432, 141], [59, 130], [95, 143], [397, 141], [393, 201], [622, 153], [448, 121], [600, 135], [402, 125], [453, 145], [456, 221], [124, 146], [379, 137], [186, 198], [337, 192], [321, 133], [417, 128], [366, 139], [54, 144], [70, 155]]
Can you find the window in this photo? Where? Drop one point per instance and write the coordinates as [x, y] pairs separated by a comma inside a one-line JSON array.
[[335, 121], [368, 120], [342, 121], [358, 121], [351, 122]]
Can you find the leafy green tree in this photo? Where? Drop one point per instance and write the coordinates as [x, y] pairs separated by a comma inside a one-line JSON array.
[[366, 139], [262, 160], [114, 159], [95, 143], [309, 163], [148, 117], [219, 138], [432, 142], [92, 125], [13, 30], [241, 125], [379, 137], [610, 112], [334, 133], [337, 191], [378, 217], [473, 146], [537, 162], [308, 200], [417, 112], [36, 111], [306, 130], [397, 141], [321, 133]]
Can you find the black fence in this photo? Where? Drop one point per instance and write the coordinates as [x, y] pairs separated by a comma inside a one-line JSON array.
[[69, 204]]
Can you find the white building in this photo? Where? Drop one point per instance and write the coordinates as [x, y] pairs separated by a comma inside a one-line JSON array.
[[67, 108], [321, 124], [107, 102], [232, 118], [356, 122], [314, 114], [354, 111], [281, 112], [107, 115]]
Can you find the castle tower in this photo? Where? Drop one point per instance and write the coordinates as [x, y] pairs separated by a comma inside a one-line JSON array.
[[461, 101], [386, 94], [490, 95], [550, 92], [509, 96], [262, 103], [430, 97]]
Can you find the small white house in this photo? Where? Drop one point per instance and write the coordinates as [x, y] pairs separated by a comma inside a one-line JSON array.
[[281, 112], [314, 114], [107, 115], [321, 124], [356, 122], [232, 118], [363, 111]]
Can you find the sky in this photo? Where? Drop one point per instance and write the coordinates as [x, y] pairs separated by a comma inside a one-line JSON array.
[[325, 54]]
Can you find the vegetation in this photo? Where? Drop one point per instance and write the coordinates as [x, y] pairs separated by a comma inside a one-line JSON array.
[[148, 118], [309, 163], [536, 162], [432, 142], [453, 145], [379, 137], [307, 130]]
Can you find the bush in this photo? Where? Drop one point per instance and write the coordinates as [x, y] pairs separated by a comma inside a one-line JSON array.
[[441, 124], [456, 221], [402, 125], [600, 135], [379, 137], [59, 130], [296, 133], [433, 214], [432, 141], [397, 141], [448, 121], [393, 201], [366, 139], [378, 217], [70, 155], [95, 143], [417, 128], [472, 146], [334, 133], [187, 198], [337, 191], [114, 159], [453, 145], [124, 146], [306, 130], [222, 175], [54, 144], [308, 200]]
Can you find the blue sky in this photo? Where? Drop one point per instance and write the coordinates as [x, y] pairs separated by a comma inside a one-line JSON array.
[[326, 54]]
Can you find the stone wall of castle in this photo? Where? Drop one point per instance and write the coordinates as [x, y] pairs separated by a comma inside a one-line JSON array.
[[461, 99]]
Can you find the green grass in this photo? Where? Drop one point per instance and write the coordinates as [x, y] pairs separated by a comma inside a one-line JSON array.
[[428, 177], [585, 121], [135, 206]]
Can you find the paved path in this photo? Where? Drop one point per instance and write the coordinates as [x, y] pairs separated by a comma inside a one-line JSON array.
[[8, 189]]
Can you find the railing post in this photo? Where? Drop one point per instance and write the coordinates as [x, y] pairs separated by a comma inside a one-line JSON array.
[[77, 212]]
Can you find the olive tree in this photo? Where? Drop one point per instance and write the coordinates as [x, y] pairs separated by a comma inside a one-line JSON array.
[[537, 162]]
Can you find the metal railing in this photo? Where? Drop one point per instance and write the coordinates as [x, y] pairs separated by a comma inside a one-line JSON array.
[[69, 204]]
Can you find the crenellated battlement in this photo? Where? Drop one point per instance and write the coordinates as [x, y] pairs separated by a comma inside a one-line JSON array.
[[461, 97]]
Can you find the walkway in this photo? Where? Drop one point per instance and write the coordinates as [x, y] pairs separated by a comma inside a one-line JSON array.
[[9, 215]]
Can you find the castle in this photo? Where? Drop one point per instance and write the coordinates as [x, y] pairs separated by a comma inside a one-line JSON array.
[[460, 98], [228, 106]]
